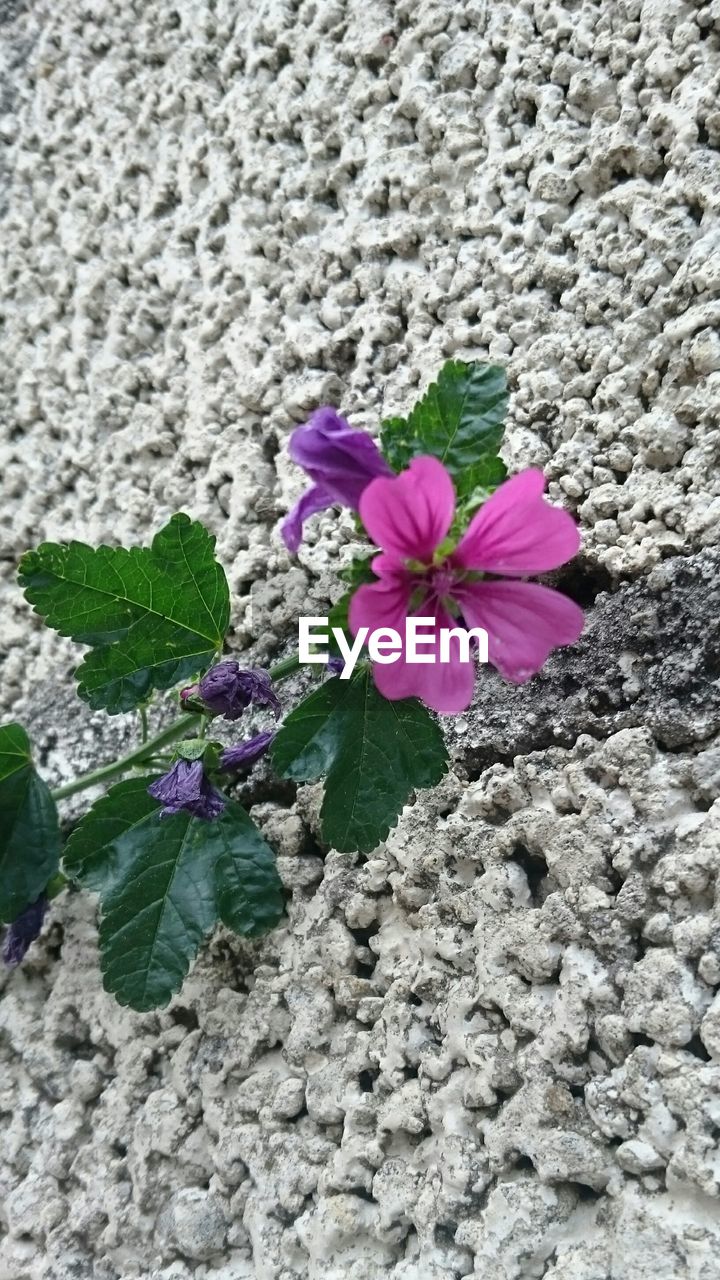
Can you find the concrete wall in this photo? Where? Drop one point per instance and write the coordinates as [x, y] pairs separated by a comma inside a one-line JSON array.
[[492, 1049]]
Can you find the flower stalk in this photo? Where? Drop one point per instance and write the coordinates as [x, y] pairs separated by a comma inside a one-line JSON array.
[[192, 724], [178, 729]]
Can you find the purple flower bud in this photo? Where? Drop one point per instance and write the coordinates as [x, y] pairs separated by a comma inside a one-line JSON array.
[[262, 693], [223, 692], [23, 931], [185, 786], [245, 754], [335, 666], [227, 690], [340, 461]]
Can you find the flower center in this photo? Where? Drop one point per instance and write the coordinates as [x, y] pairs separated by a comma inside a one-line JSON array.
[[441, 580], [433, 585]]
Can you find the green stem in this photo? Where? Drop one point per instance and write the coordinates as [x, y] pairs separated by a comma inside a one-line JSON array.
[[149, 746], [144, 723], [173, 731], [55, 885], [285, 667]]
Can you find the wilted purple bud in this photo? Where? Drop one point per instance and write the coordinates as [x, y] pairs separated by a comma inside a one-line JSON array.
[[23, 931], [246, 753], [227, 690], [335, 666], [340, 461], [223, 692], [185, 786], [262, 693]]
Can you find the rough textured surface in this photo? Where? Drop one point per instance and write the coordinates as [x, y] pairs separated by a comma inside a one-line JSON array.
[[493, 1048]]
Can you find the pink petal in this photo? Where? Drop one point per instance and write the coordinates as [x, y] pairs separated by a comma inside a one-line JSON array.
[[409, 515], [524, 621], [384, 603], [516, 531], [446, 687]]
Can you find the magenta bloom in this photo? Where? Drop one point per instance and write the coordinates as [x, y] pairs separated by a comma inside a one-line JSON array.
[[516, 532], [340, 461]]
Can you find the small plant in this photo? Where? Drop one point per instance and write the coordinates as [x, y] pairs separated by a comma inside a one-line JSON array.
[[168, 850]]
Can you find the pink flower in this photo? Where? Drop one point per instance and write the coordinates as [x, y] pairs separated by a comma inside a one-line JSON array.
[[516, 532]]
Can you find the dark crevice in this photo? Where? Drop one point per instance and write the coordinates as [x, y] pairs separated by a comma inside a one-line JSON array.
[[367, 1078], [585, 1192], [311, 848], [259, 790], [78, 1047], [56, 935], [584, 582], [638, 1038], [185, 1018], [524, 1162], [535, 868], [363, 936], [363, 1194], [683, 749], [270, 447], [482, 760], [153, 1066], [697, 1048], [695, 210], [506, 1091], [444, 1233]]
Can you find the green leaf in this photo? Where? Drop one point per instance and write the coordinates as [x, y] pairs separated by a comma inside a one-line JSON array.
[[338, 617], [206, 749], [311, 736], [29, 833], [488, 475], [374, 752], [152, 615], [459, 420], [359, 570], [14, 749], [190, 749], [163, 883]]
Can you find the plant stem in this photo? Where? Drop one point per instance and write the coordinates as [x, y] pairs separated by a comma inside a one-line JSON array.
[[149, 746], [285, 667], [175, 730], [55, 885]]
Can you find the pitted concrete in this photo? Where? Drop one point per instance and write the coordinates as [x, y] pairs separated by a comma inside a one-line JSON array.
[[492, 1047]]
